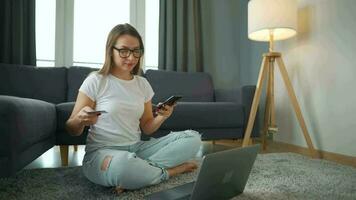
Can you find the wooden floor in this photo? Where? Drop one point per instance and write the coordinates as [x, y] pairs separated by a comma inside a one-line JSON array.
[[51, 158]]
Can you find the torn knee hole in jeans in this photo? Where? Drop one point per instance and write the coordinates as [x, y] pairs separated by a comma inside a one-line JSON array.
[[106, 163]]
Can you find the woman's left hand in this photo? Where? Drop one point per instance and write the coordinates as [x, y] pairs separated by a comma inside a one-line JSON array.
[[165, 111]]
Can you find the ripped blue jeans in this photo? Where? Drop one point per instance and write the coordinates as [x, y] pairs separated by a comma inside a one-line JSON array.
[[143, 163]]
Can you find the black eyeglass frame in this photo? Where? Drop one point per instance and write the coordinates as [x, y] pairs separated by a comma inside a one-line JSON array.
[[131, 51]]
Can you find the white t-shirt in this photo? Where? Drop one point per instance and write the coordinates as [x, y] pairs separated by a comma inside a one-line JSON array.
[[124, 102]]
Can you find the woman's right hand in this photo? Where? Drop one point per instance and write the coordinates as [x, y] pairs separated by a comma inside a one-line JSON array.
[[85, 118]]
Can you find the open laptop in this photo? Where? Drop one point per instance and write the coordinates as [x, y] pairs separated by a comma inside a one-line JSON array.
[[222, 175]]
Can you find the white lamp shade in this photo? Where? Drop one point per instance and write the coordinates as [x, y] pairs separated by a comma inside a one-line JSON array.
[[272, 16]]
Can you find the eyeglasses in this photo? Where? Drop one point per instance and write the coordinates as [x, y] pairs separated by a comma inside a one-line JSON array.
[[125, 53]]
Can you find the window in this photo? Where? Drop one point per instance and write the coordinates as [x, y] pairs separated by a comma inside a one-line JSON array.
[[91, 30], [151, 34], [92, 21], [45, 32]]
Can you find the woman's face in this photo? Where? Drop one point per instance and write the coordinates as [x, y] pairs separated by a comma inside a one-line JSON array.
[[124, 59]]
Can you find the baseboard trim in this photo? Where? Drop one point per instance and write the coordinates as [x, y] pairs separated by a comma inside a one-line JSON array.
[[277, 147], [335, 157]]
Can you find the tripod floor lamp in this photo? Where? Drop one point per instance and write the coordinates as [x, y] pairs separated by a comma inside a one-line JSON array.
[[271, 20]]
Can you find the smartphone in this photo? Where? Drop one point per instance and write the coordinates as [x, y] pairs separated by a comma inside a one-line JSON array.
[[170, 101], [96, 112]]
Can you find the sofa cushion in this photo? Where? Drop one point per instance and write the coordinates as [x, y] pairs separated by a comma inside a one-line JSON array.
[[64, 110], [206, 134], [76, 76], [194, 87], [43, 83], [197, 115]]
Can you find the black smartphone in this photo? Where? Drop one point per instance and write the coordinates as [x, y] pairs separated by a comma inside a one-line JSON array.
[[170, 101], [96, 112]]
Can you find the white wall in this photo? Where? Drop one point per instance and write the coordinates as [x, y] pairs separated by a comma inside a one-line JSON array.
[[321, 62]]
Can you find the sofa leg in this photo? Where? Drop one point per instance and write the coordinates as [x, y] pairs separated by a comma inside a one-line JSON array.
[[64, 154], [213, 142], [75, 148]]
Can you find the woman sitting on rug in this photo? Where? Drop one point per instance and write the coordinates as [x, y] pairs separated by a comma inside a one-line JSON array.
[[115, 155]]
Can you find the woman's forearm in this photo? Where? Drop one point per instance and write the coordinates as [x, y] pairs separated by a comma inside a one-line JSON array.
[[153, 124], [74, 126]]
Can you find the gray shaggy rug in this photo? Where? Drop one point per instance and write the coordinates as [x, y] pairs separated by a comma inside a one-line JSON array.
[[274, 176]]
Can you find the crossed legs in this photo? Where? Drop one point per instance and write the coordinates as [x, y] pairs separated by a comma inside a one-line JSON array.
[[145, 163]]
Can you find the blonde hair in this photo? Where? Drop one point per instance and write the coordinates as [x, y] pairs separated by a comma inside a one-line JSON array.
[[115, 33]]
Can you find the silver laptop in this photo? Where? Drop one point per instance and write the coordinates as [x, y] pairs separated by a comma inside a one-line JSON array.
[[222, 175]]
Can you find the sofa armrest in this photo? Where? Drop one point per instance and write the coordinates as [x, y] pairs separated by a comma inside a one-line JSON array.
[[248, 93], [24, 122], [243, 95]]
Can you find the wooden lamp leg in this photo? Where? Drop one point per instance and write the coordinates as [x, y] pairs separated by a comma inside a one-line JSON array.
[[273, 127], [267, 113], [255, 102], [296, 107]]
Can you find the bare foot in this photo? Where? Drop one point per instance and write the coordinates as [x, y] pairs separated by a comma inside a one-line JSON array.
[[190, 166], [182, 168], [118, 190]]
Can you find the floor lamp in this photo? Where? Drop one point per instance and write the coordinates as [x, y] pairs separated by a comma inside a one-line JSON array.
[[271, 20]]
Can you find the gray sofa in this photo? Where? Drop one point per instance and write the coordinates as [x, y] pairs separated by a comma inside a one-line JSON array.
[[217, 114], [35, 103]]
